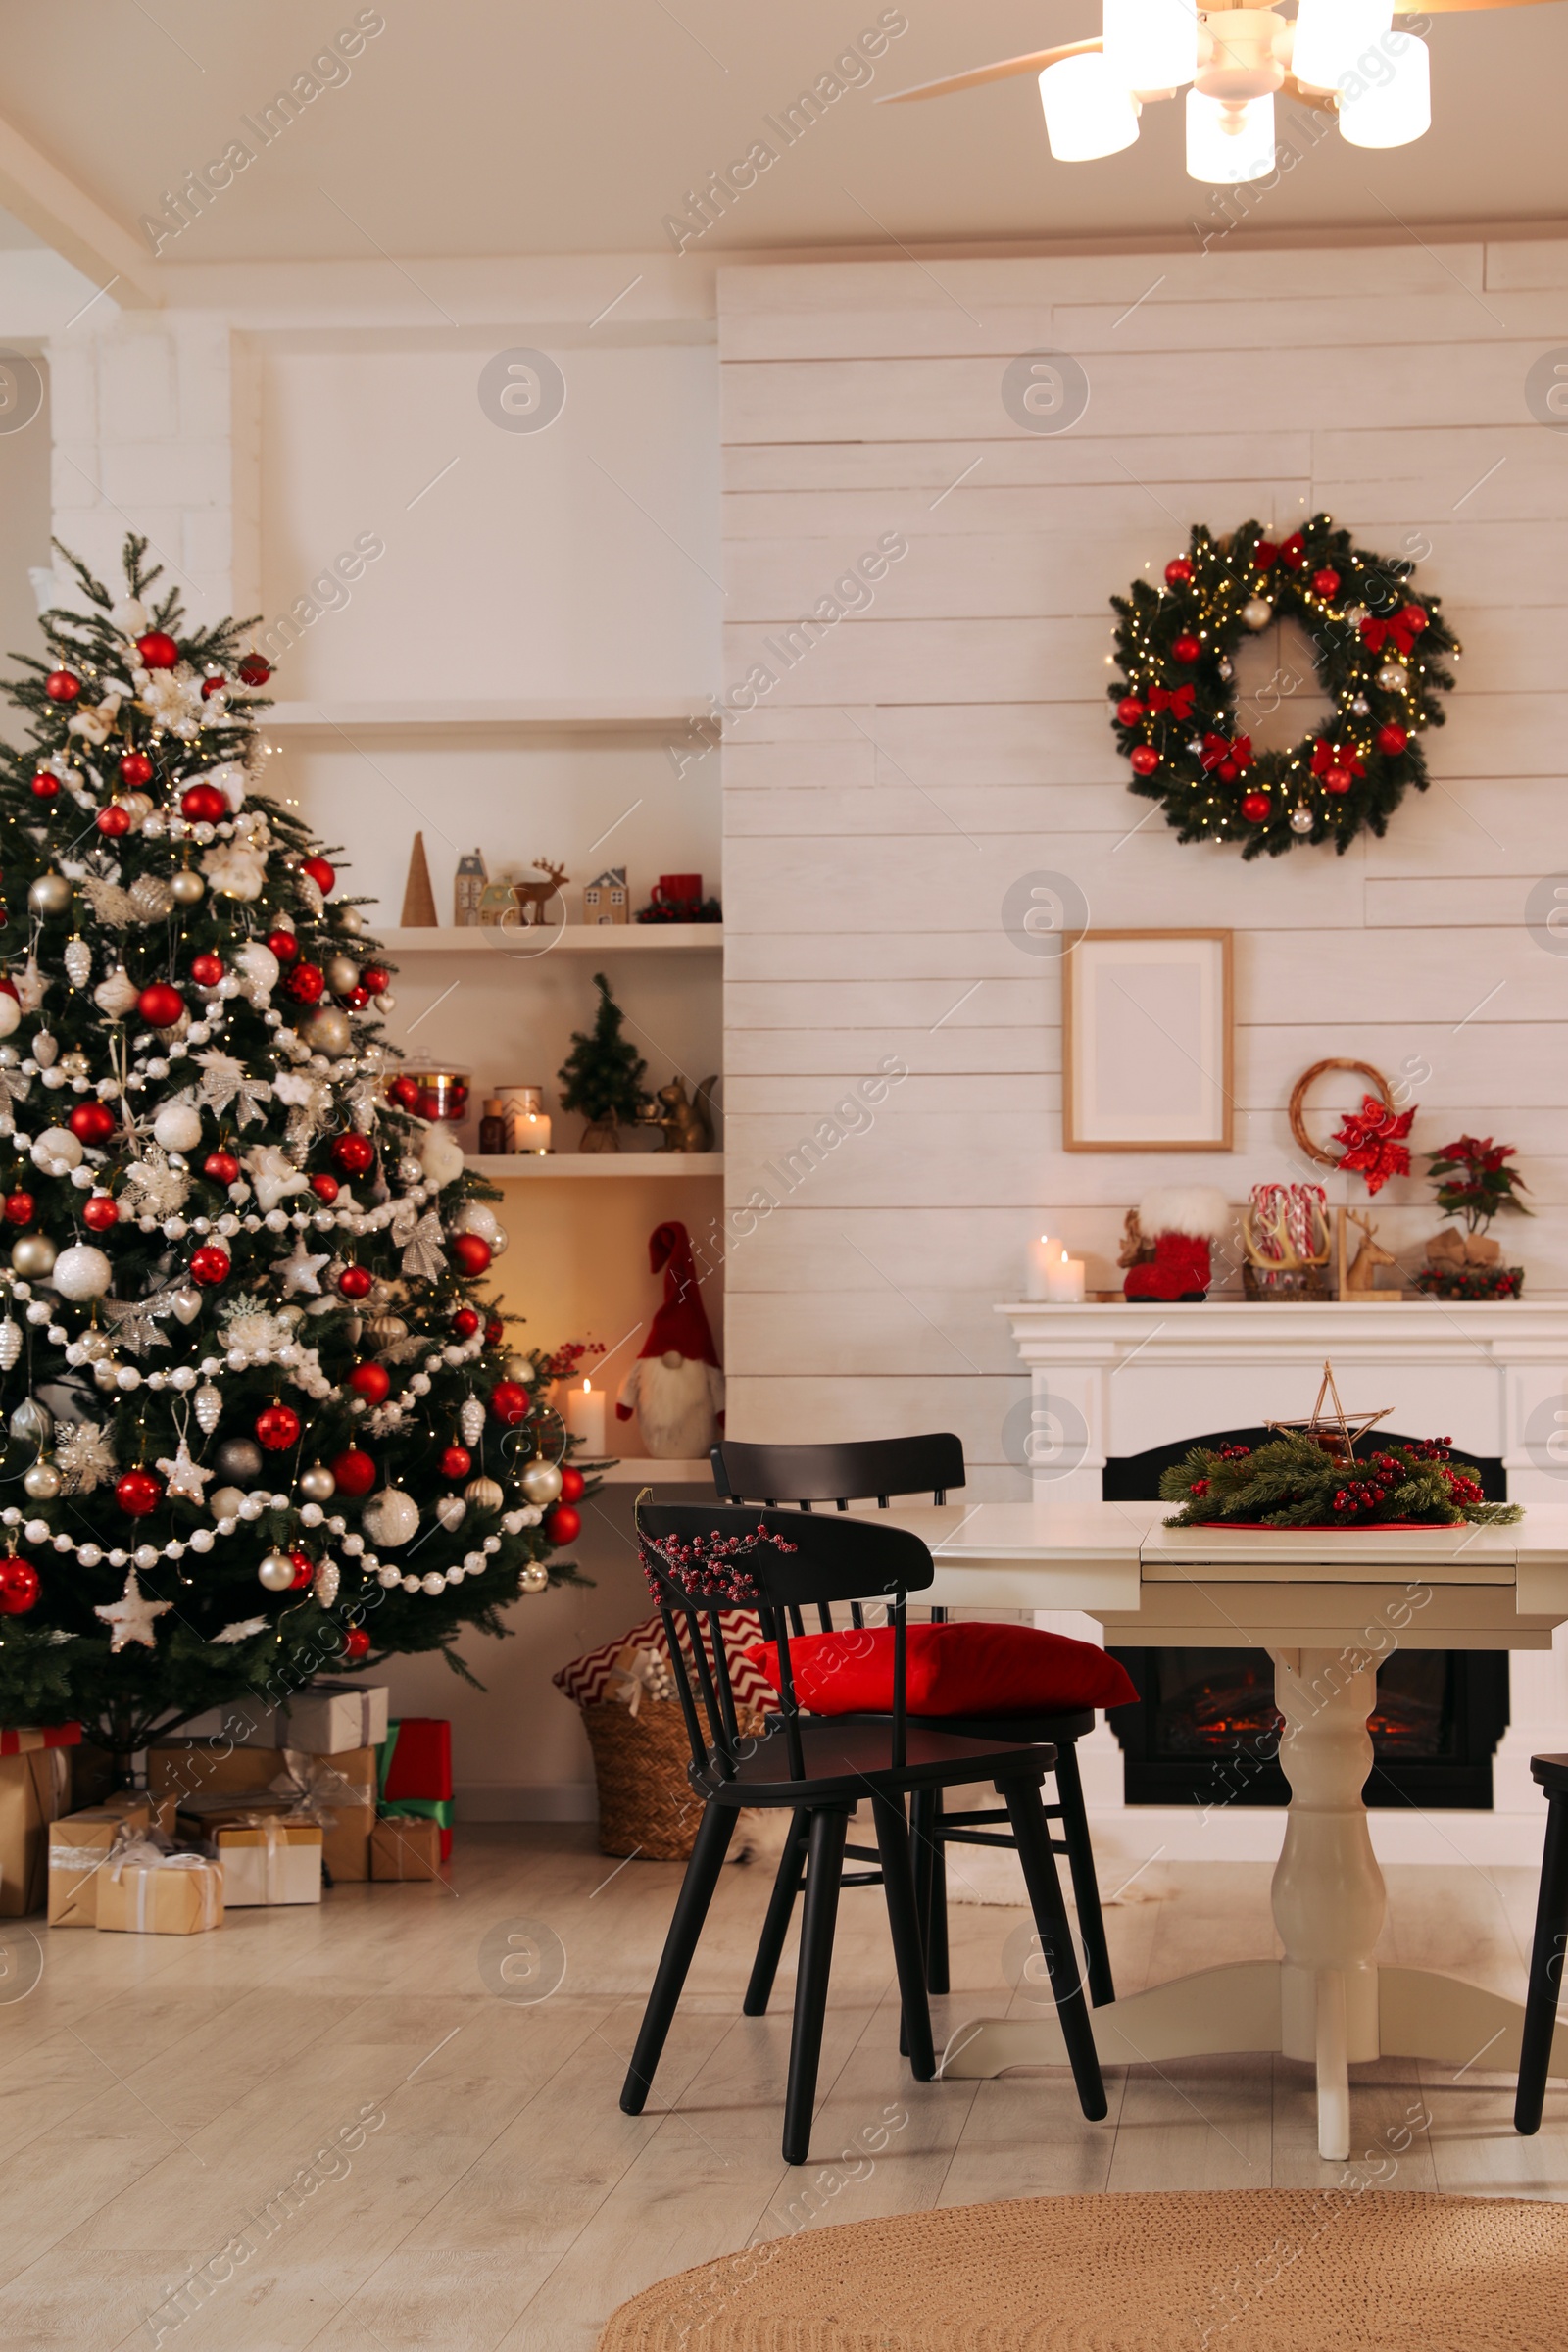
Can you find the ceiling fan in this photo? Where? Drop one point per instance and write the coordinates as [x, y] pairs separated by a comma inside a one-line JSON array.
[[1342, 56]]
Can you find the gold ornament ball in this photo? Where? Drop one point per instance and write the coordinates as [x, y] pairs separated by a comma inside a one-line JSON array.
[[483, 1493], [351, 920], [1393, 677], [49, 894], [521, 1368], [541, 1481], [42, 1482], [1258, 613], [327, 1030], [342, 974], [535, 1577], [32, 1255], [187, 887], [276, 1572], [318, 1484]]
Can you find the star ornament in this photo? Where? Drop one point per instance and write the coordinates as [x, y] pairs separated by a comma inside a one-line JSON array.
[[184, 1476], [1372, 1139], [132, 1617], [299, 1271]]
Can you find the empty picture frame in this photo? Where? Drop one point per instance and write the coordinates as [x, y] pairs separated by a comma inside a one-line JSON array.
[[1145, 1042]]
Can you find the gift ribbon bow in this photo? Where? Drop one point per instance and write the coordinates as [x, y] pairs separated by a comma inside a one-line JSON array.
[[1327, 755], [1401, 629], [1217, 750], [1177, 699], [316, 1785], [1373, 1142], [1291, 552]]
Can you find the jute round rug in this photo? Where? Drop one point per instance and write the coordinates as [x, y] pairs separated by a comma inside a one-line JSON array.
[[1256, 2270]]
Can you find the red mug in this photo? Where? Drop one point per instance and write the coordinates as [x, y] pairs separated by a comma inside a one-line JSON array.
[[677, 890]]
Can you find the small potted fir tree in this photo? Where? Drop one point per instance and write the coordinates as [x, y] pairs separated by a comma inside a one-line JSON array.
[[603, 1076], [1473, 1183]]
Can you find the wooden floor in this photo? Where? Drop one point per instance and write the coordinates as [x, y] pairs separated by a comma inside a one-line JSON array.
[[462, 2176]]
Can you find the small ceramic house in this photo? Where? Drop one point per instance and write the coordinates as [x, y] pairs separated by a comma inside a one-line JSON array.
[[606, 900], [468, 889]]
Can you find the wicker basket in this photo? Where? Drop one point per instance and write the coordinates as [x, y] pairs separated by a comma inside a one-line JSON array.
[[646, 1803]]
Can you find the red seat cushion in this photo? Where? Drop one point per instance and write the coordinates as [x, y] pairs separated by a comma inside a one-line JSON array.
[[975, 1669]]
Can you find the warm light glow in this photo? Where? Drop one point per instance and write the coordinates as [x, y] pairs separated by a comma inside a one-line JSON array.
[[587, 1388], [1390, 111], [1226, 145], [1088, 112], [1150, 44], [1332, 34]]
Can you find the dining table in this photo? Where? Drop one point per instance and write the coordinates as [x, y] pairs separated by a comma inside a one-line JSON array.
[[1328, 1604]]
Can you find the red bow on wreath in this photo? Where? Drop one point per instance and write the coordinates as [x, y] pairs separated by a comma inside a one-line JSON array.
[[1229, 758], [1177, 699], [1373, 1142], [1292, 553], [1401, 629], [1325, 755]]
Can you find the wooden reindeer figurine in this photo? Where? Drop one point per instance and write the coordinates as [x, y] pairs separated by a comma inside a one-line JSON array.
[[1360, 1276], [532, 897]]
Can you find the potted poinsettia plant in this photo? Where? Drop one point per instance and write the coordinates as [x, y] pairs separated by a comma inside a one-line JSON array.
[[1474, 1182]]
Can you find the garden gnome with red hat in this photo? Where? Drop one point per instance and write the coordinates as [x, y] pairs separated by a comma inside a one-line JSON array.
[[675, 1387]]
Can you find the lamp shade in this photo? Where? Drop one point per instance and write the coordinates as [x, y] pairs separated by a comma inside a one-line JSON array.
[[1394, 109], [1088, 110], [1330, 36], [1150, 44], [1228, 144]]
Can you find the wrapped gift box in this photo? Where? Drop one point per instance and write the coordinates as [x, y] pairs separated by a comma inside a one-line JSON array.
[[144, 1892], [46, 1734], [330, 1717], [405, 1846], [268, 1858], [416, 1773], [34, 1790], [207, 1778], [79, 1847]]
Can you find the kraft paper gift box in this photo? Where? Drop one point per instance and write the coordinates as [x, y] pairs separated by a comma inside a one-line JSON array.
[[142, 1891], [268, 1858], [34, 1790], [340, 1790], [80, 1848], [406, 1848], [190, 1770], [329, 1717]]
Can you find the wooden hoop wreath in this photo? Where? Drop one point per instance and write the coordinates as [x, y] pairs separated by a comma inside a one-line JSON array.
[[1298, 1094]]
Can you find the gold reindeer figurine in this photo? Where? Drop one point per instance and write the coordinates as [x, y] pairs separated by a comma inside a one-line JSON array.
[[1359, 1279]]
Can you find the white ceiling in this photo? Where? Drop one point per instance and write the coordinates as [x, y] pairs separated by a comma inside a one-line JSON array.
[[516, 126]]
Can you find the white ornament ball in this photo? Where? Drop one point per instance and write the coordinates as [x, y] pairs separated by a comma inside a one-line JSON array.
[[1394, 677], [177, 1127], [535, 1577], [316, 1484], [477, 1216], [1300, 820], [82, 1272], [56, 1151], [541, 1481], [1258, 613], [10, 1014], [276, 1572], [258, 968], [390, 1518], [223, 1502], [432, 1582]]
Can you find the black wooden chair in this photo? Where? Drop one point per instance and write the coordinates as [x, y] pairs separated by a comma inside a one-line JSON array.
[[804, 1475], [700, 1558], [1547, 1952]]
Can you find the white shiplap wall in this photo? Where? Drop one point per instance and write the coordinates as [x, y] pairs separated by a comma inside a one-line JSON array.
[[955, 736]]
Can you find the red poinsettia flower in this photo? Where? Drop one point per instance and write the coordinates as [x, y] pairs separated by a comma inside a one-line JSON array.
[[1373, 1142]]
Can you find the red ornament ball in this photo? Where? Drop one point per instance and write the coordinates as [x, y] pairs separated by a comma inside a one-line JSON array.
[[45, 787], [495, 1332], [92, 1123], [278, 1428], [464, 1323], [209, 1265], [138, 1493], [1129, 710], [1185, 648], [19, 1587], [1326, 583], [1337, 779], [19, 1208], [204, 805], [325, 1187], [284, 944], [112, 819], [355, 1282], [159, 1006], [355, 1155], [572, 1482], [355, 1473], [136, 770], [222, 1167], [472, 1252], [1416, 619], [356, 1643], [1392, 739], [356, 999], [61, 687], [564, 1525], [508, 1401], [214, 685], [157, 650], [207, 969], [306, 983], [1255, 807], [1178, 571], [455, 1461], [254, 671], [99, 1212], [371, 1382], [375, 979], [320, 873], [405, 1093], [304, 1569], [1142, 760]]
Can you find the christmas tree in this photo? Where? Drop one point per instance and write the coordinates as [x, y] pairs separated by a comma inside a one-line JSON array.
[[602, 1074], [262, 1418]]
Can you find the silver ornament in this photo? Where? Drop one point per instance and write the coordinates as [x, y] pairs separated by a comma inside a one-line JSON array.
[[45, 1050], [541, 1481], [239, 1461], [316, 1484], [326, 1582], [385, 1331], [152, 897], [1360, 707], [187, 1304], [42, 1482], [521, 1368], [327, 1030], [33, 1256], [186, 887], [50, 895], [1258, 613], [1302, 820], [483, 1493], [390, 1518], [535, 1578], [276, 1572], [209, 1406], [9, 1342], [451, 1510], [342, 974], [223, 1502], [116, 994], [350, 919], [33, 1423], [1394, 677], [79, 962], [470, 1420]]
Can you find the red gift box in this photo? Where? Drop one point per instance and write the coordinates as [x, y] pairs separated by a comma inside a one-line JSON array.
[[23, 1743], [421, 1761]]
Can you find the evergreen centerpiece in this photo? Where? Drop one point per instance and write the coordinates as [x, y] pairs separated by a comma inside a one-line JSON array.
[[1474, 1182], [249, 1376], [603, 1075], [1294, 1480]]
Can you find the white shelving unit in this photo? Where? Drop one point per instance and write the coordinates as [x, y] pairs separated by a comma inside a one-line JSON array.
[[570, 939], [531, 1167], [612, 716]]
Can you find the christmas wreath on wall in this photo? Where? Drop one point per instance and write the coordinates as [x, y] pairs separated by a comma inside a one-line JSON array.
[[1379, 652]]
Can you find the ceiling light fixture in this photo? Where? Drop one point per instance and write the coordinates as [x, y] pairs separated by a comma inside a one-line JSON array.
[[1345, 57]]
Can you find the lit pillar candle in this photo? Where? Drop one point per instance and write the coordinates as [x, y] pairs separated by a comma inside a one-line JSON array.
[[1064, 1280], [585, 1418], [1044, 1253], [532, 1131]]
